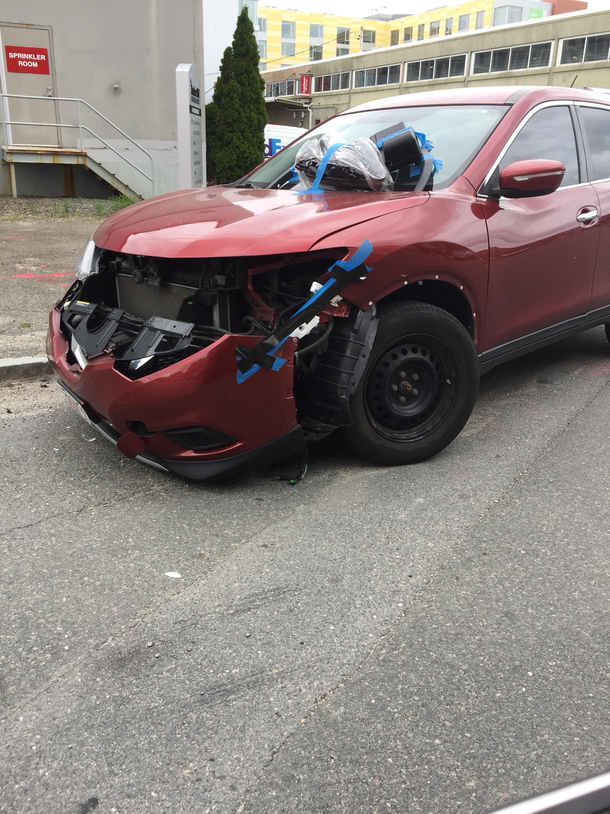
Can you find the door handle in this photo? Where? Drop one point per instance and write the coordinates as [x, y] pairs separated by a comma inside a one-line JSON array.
[[586, 217]]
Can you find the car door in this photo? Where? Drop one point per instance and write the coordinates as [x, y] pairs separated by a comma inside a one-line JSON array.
[[542, 249], [595, 123]]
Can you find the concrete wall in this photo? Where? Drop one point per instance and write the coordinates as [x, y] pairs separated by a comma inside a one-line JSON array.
[[593, 74], [120, 56]]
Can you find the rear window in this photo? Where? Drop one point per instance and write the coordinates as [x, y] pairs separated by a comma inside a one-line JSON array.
[[596, 124], [457, 132]]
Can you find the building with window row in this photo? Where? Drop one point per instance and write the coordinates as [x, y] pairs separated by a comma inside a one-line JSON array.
[[568, 50], [288, 37]]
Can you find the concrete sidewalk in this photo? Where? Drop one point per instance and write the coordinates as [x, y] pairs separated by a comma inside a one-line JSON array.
[[37, 261]]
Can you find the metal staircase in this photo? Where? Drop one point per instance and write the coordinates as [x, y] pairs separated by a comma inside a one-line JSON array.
[[87, 148]]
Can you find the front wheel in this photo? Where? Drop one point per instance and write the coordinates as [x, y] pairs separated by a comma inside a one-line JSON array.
[[418, 389]]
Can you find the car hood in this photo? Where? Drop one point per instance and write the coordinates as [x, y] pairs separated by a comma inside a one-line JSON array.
[[231, 221]]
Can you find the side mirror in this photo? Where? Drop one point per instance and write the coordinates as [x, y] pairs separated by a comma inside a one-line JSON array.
[[526, 179]]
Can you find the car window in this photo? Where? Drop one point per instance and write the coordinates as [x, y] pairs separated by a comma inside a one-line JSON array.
[[457, 132], [596, 125], [548, 134]]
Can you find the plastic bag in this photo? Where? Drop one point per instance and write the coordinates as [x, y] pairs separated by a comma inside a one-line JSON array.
[[324, 163]]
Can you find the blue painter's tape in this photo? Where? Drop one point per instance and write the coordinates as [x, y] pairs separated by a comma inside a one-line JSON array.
[[315, 187], [357, 259]]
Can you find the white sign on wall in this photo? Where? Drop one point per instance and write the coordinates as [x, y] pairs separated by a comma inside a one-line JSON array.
[[190, 126]]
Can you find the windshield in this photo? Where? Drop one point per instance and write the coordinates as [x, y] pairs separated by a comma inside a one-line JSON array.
[[456, 131]]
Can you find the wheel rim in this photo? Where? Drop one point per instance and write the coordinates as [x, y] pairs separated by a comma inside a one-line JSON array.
[[410, 388]]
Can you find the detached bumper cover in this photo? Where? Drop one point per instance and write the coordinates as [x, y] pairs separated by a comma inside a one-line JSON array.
[[199, 391]]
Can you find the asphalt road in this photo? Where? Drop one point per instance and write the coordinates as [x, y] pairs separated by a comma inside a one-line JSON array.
[[424, 639]]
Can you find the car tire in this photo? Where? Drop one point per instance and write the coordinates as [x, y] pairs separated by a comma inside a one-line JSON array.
[[607, 329], [418, 389]]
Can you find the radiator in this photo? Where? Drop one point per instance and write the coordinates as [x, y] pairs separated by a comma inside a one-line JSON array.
[[146, 301]]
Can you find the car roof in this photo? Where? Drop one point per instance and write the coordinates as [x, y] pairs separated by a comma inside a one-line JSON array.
[[496, 95]]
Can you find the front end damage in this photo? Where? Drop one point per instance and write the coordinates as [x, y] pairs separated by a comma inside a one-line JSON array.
[[205, 366]]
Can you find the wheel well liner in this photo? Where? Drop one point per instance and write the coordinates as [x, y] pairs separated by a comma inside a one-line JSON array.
[[435, 292]]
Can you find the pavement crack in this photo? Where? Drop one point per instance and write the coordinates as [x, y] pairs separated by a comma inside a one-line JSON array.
[[88, 507]]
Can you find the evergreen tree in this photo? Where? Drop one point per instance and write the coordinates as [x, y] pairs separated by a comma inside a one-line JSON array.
[[236, 116], [245, 67]]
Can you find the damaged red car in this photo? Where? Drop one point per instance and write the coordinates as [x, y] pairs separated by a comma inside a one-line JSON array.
[[360, 281]]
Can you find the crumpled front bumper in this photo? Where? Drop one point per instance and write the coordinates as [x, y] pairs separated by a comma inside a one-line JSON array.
[[199, 391]]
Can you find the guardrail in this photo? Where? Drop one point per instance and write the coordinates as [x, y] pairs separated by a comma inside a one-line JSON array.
[[8, 141]]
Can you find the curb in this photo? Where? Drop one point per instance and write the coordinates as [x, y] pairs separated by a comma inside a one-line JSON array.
[[24, 367]]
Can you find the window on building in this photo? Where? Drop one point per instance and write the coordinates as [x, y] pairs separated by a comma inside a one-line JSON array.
[[512, 59], [333, 81], [342, 41], [316, 32], [480, 20], [585, 49], [369, 36], [540, 55], [499, 60], [548, 134], [482, 62], [394, 36], [386, 75], [448, 26], [262, 66], [519, 57], [440, 68], [421, 30], [315, 53], [464, 22], [287, 49], [262, 48], [507, 14], [435, 28], [288, 29], [407, 34], [572, 51], [262, 25], [342, 36], [596, 124], [286, 88], [251, 6], [457, 66]]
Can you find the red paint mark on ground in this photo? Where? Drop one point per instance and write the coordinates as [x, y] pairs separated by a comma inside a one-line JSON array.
[[598, 368], [51, 275], [4, 239]]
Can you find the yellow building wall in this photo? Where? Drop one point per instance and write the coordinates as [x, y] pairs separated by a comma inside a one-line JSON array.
[[303, 19], [382, 28]]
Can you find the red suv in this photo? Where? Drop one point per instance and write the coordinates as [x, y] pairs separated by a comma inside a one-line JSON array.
[[218, 329]]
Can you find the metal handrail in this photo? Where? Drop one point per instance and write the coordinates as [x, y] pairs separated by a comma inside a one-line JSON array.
[[80, 127], [76, 127]]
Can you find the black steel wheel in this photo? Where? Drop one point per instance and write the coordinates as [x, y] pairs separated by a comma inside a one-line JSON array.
[[419, 387]]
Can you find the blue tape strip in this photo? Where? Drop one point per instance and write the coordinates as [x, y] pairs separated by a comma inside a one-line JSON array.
[[315, 187], [358, 257]]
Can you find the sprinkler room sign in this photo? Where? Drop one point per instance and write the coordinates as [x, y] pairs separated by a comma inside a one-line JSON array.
[[20, 59]]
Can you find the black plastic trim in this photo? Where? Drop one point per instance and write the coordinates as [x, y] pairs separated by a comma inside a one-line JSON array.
[[540, 339]]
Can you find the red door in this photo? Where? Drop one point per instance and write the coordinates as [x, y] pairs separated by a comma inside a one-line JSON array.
[[542, 249], [595, 122]]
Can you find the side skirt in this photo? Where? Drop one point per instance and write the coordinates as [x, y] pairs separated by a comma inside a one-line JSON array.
[[540, 339]]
